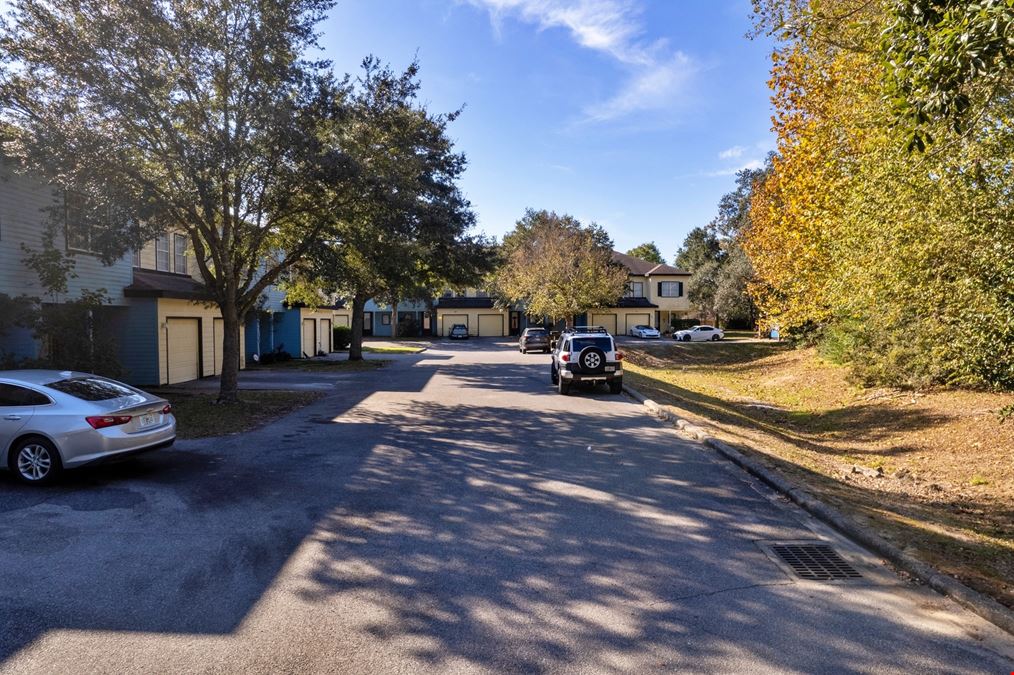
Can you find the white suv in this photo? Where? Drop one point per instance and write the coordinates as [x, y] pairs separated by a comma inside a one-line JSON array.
[[586, 354]]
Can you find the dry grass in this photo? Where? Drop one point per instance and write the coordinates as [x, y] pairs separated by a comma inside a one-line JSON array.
[[946, 492], [199, 416]]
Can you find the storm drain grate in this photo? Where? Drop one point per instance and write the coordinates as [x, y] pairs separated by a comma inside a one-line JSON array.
[[815, 562]]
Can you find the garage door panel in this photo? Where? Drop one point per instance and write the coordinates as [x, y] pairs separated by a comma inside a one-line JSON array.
[[183, 346], [607, 321], [309, 347], [325, 335], [490, 325], [451, 319], [218, 339], [637, 320]]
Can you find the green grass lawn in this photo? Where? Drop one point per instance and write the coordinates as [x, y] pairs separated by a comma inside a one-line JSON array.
[[392, 349], [198, 415]]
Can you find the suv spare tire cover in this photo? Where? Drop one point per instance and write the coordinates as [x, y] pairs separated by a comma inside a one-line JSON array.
[[592, 359]]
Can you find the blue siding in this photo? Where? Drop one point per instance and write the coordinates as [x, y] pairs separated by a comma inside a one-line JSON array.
[[287, 325], [379, 329], [137, 338], [18, 344], [253, 335]]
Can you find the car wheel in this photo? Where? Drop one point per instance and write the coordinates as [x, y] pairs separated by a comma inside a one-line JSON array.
[[35, 461], [715, 338], [562, 386], [686, 338], [616, 386]]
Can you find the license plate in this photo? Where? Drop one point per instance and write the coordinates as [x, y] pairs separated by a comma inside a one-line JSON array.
[[610, 369], [147, 420]]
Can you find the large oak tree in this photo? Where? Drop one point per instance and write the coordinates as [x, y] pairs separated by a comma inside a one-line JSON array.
[[198, 116]]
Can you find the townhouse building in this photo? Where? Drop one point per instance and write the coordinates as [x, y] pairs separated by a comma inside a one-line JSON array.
[[165, 329]]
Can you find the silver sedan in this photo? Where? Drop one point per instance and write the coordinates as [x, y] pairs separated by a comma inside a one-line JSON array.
[[52, 420]]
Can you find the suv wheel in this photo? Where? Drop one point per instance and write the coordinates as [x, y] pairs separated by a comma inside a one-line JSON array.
[[553, 377], [616, 386], [562, 385], [592, 359]]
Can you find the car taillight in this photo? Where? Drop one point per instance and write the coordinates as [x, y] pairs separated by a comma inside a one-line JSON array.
[[167, 409], [619, 356], [565, 357], [103, 421]]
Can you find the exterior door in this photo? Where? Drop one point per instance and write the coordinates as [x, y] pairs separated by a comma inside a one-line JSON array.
[[450, 319], [367, 323], [607, 321], [490, 325], [309, 337], [326, 335], [183, 350], [637, 320]]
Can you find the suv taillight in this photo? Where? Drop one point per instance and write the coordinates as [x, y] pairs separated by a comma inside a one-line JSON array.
[[103, 421], [619, 356], [565, 357]]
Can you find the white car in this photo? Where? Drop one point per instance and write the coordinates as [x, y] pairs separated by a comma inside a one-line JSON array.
[[642, 331], [699, 334]]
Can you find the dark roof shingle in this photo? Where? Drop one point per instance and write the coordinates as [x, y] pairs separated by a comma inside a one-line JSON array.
[[154, 284], [643, 267], [464, 303]]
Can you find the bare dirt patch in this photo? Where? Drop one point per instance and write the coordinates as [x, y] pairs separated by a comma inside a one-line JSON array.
[[933, 470]]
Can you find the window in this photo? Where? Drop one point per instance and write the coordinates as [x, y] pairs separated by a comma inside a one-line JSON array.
[[603, 343], [137, 257], [635, 289], [180, 254], [448, 293], [12, 395], [670, 289], [162, 252], [92, 388], [479, 293], [77, 230], [385, 319]]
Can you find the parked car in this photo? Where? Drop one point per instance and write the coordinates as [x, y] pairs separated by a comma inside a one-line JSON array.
[[459, 331], [586, 354], [647, 332], [699, 334], [52, 420], [534, 339]]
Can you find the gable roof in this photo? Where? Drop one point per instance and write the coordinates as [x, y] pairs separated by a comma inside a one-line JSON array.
[[644, 268]]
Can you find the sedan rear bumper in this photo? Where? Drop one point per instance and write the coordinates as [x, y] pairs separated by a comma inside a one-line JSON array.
[[89, 446]]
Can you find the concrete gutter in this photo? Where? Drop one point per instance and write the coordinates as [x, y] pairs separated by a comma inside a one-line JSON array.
[[984, 606]]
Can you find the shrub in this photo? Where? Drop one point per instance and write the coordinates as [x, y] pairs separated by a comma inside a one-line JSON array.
[[342, 337]]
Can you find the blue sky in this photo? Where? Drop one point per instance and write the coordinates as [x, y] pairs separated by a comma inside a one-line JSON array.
[[631, 113]]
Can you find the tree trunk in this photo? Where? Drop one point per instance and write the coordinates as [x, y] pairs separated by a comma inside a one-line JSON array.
[[356, 339], [229, 390], [394, 318]]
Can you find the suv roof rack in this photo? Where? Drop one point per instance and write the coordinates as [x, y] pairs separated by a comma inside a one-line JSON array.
[[586, 329]]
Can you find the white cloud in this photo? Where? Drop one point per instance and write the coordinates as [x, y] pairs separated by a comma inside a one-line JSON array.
[[734, 152], [657, 74], [753, 164]]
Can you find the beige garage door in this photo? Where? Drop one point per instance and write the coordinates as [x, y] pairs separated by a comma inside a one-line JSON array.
[[325, 335], [310, 337], [491, 325], [451, 319], [218, 340], [608, 321], [183, 349], [638, 320]]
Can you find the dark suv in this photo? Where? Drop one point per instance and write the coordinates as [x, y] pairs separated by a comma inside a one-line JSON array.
[[586, 354], [532, 339]]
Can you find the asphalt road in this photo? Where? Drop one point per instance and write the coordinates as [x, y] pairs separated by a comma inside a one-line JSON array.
[[449, 513]]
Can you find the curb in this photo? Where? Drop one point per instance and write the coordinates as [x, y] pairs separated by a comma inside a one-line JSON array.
[[986, 607]]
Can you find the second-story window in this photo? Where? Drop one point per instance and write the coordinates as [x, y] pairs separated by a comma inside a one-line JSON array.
[[162, 252], [137, 257], [78, 230], [635, 289], [670, 289], [480, 293], [180, 254]]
